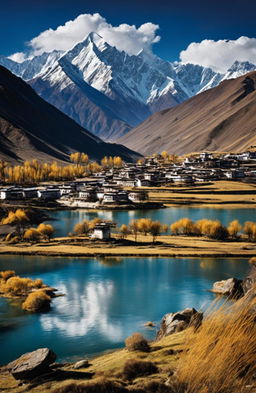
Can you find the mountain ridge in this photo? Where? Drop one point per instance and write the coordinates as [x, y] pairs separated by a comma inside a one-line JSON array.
[[32, 128], [113, 91], [222, 118]]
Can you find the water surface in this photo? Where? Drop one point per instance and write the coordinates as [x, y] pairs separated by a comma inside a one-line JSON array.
[[105, 300], [65, 220]]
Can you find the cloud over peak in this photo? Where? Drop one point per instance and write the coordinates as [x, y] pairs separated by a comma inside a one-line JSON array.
[[124, 37], [220, 55]]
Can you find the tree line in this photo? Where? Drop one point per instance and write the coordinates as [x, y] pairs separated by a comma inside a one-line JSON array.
[[213, 229], [21, 220], [33, 171]]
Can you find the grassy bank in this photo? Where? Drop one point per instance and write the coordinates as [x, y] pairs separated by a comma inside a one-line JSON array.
[[221, 194], [165, 353], [166, 246], [217, 357]]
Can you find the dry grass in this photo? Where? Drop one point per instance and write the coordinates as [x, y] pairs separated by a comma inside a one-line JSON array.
[[218, 358], [166, 246], [221, 356], [135, 368], [221, 194], [137, 342], [165, 353], [37, 301], [101, 385], [12, 285]]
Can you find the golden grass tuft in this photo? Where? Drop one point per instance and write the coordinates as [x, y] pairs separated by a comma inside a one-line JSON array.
[[221, 356], [37, 301], [137, 342], [12, 285], [6, 274]]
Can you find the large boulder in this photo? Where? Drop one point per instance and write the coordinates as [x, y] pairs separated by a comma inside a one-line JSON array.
[[176, 322], [32, 364], [232, 287]]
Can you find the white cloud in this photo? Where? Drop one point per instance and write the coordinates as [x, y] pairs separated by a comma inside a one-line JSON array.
[[220, 55], [19, 57], [124, 37]]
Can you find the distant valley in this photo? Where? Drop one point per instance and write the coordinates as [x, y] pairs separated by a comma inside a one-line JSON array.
[[222, 118]]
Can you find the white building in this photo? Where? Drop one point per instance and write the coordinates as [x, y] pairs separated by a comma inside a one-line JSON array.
[[102, 231]]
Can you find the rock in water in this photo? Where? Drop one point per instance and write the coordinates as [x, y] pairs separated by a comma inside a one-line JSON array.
[[231, 287], [176, 322], [32, 364]]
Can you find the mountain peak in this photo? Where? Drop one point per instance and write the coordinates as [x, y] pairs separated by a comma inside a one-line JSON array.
[[244, 66], [96, 40]]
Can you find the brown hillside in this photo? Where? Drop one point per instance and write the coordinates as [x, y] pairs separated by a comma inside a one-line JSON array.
[[32, 128], [222, 118]]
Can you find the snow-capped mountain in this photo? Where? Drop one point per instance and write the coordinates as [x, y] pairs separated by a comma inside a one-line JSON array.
[[239, 68], [33, 67], [108, 91]]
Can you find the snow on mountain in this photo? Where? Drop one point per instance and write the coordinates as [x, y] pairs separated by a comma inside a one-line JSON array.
[[239, 68], [108, 91], [33, 67]]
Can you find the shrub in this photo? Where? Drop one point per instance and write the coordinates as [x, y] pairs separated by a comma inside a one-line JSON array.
[[6, 274], [233, 228], [124, 231], [37, 301], [137, 342], [82, 228], [46, 230], [32, 234], [250, 230], [138, 368], [252, 261], [19, 286]]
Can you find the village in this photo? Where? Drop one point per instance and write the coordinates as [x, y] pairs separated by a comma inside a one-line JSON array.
[[127, 185]]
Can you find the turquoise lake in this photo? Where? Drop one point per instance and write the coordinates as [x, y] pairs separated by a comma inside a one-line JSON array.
[[64, 221], [105, 300]]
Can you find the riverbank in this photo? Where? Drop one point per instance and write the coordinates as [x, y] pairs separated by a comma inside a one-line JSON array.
[[220, 194], [165, 353], [166, 246]]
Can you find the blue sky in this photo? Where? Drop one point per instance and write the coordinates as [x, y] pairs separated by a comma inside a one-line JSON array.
[[180, 22]]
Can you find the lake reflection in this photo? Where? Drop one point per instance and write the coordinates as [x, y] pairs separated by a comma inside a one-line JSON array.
[[88, 308], [65, 220], [105, 300]]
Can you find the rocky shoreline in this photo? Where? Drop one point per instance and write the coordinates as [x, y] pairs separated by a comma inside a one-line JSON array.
[[39, 367]]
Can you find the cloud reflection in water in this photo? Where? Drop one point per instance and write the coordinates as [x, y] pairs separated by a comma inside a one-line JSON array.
[[80, 311]]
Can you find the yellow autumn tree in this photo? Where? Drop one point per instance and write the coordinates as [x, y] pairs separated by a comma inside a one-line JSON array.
[[46, 230], [234, 228], [32, 234], [82, 228], [124, 231]]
